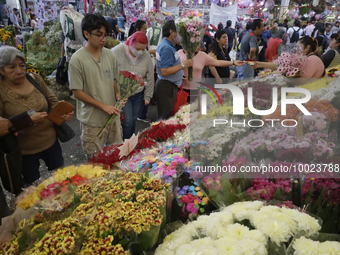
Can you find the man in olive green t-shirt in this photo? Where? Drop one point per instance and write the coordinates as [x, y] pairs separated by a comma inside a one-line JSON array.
[[93, 71]]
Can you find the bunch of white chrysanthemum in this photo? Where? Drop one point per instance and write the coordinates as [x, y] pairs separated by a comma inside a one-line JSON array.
[[305, 246], [280, 224], [242, 210], [219, 234]]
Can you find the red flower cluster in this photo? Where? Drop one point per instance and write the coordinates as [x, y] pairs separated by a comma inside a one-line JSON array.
[[162, 132], [132, 76], [56, 188]]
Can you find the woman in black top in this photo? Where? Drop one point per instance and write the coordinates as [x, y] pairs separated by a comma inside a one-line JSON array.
[[219, 51]]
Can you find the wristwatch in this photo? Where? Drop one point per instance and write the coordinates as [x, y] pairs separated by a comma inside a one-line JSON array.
[[233, 62], [183, 66]]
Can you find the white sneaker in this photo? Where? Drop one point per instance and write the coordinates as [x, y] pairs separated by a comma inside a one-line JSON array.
[[144, 120]]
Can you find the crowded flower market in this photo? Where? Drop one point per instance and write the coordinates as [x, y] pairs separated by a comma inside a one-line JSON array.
[[169, 127]]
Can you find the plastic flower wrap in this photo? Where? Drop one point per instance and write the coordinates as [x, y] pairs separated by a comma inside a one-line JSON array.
[[128, 84], [191, 30], [162, 162], [59, 183], [289, 64]]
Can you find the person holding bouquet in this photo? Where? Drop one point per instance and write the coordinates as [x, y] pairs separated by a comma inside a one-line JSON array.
[[313, 68], [133, 57], [170, 71], [93, 73], [201, 59]]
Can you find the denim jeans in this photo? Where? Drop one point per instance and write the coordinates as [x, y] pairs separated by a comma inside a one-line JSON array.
[[52, 157], [245, 72], [131, 111]]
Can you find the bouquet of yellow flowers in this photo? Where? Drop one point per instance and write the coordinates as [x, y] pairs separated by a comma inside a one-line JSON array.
[[7, 36]]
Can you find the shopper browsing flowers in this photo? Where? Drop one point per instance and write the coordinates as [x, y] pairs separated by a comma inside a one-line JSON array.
[[133, 57]]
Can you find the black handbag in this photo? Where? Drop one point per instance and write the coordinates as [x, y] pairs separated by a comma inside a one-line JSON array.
[[64, 131], [11, 164], [62, 74]]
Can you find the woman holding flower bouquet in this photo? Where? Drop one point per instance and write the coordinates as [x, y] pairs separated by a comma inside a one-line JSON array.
[[313, 67], [133, 57]]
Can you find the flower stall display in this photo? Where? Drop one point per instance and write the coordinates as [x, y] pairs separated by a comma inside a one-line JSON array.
[[59, 183], [292, 112], [289, 64], [191, 30], [226, 232], [156, 133], [106, 215], [128, 84], [277, 143]]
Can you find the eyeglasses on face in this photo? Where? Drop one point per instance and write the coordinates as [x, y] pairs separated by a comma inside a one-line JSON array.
[[101, 36]]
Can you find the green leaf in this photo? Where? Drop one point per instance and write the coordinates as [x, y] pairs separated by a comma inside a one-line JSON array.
[[72, 187], [98, 233], [278, 194], [41, 233], [69, 179], [147, 173], [139, 185]]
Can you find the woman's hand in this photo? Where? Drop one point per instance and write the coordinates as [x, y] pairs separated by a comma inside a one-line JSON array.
[[239, 63], [147, 102], [124, 102], [219, 81], [39, 117], [68, 117], [5, 124], [256, 65]]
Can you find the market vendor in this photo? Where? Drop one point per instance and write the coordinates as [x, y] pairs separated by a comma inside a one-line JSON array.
[[314, 67]]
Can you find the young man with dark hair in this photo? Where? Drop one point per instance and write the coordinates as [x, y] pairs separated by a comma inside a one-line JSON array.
[[328, 31], [294, 33], [250, 49], [93, 71], [232, 37], [14, 20], [336, 27], [170, 71], [322, 38]]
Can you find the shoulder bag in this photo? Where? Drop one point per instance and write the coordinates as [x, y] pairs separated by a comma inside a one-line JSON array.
[[64, 131]]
